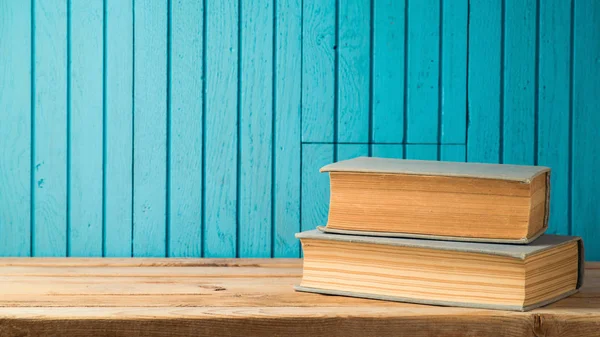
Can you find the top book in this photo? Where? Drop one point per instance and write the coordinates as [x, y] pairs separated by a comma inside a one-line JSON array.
[[438, 200]]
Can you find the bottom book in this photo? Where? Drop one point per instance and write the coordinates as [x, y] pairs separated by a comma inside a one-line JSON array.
[[465, 274]]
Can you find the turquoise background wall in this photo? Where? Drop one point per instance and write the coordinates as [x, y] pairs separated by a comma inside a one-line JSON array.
[[197, 128]]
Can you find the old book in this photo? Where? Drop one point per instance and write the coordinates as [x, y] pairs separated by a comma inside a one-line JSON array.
[[469, 274], [441, 200]]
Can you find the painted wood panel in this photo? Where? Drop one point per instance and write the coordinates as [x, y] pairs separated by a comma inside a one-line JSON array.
[[256, 128], [453, 75], [585, 149], [221, 130], [319, 64], [197, 128], [186, 99], [423, 47], [15, 128], [118, 128], [86, 128], [49, 125], [422, 152], [287, 129], [150, 128], [389, 67], [554, 106], [354, 71], [519, 82], [484, 74]]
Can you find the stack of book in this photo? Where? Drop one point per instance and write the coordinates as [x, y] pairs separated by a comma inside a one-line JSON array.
[[444, 233]]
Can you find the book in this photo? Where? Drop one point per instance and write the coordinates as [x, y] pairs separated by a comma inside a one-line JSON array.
[[440, 200], [449, 273]]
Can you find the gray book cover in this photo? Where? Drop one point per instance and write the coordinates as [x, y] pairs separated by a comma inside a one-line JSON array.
[[520, 252], [517, 173]]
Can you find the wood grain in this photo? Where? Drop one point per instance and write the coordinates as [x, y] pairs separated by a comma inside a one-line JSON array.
[[86, 129], [483, 90], [453, 79], [118, 129], [388, 71], [15, 128], [49, 183], [585, 100], [553, 104], [318, 70], [258, 300], [150, 129], [256, 129], [354, 71], [519, 82], [186, 129], [221, 129], [287, 132], [423, 71]]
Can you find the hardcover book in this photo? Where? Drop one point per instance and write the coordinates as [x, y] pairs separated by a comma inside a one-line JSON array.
[[440, 200], [467, 274]]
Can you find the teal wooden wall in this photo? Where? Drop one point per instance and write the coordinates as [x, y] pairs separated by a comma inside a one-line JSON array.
[[197, 128]]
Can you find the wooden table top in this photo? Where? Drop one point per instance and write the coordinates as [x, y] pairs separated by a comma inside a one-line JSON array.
[[243, 297]]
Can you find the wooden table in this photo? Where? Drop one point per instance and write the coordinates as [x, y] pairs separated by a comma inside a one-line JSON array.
[[201, 297]]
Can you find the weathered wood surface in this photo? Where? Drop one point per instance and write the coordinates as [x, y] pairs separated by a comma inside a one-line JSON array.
[[246, 297]]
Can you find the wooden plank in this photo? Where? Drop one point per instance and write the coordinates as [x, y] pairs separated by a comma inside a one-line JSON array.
[[388, 71], [281, 321], [15, 128], [553, 98], [256, 129], [354, 71], [453, 77], [86, 129], [49, 222], [453, 153], [118, 128], [519, 82], [483, 88], [196, 297], [388, 150], [422, 152], [586, 152], [318, 70], [221, 129], [349, 151], [288, 128], [150, 128], [315, 185], [423, 71], [185, 158]]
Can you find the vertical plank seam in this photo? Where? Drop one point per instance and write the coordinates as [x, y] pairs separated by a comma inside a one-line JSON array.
[[203, 164], [468, 45], [104, 125], [336, 77], [502, 60], [371, 61], [239, 143], [168, 132], [273, 129], [32, 136], [571, 149], [536, 102], [440, 74], [68, 129], [132, 125], [405, 83], [300, 113]]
